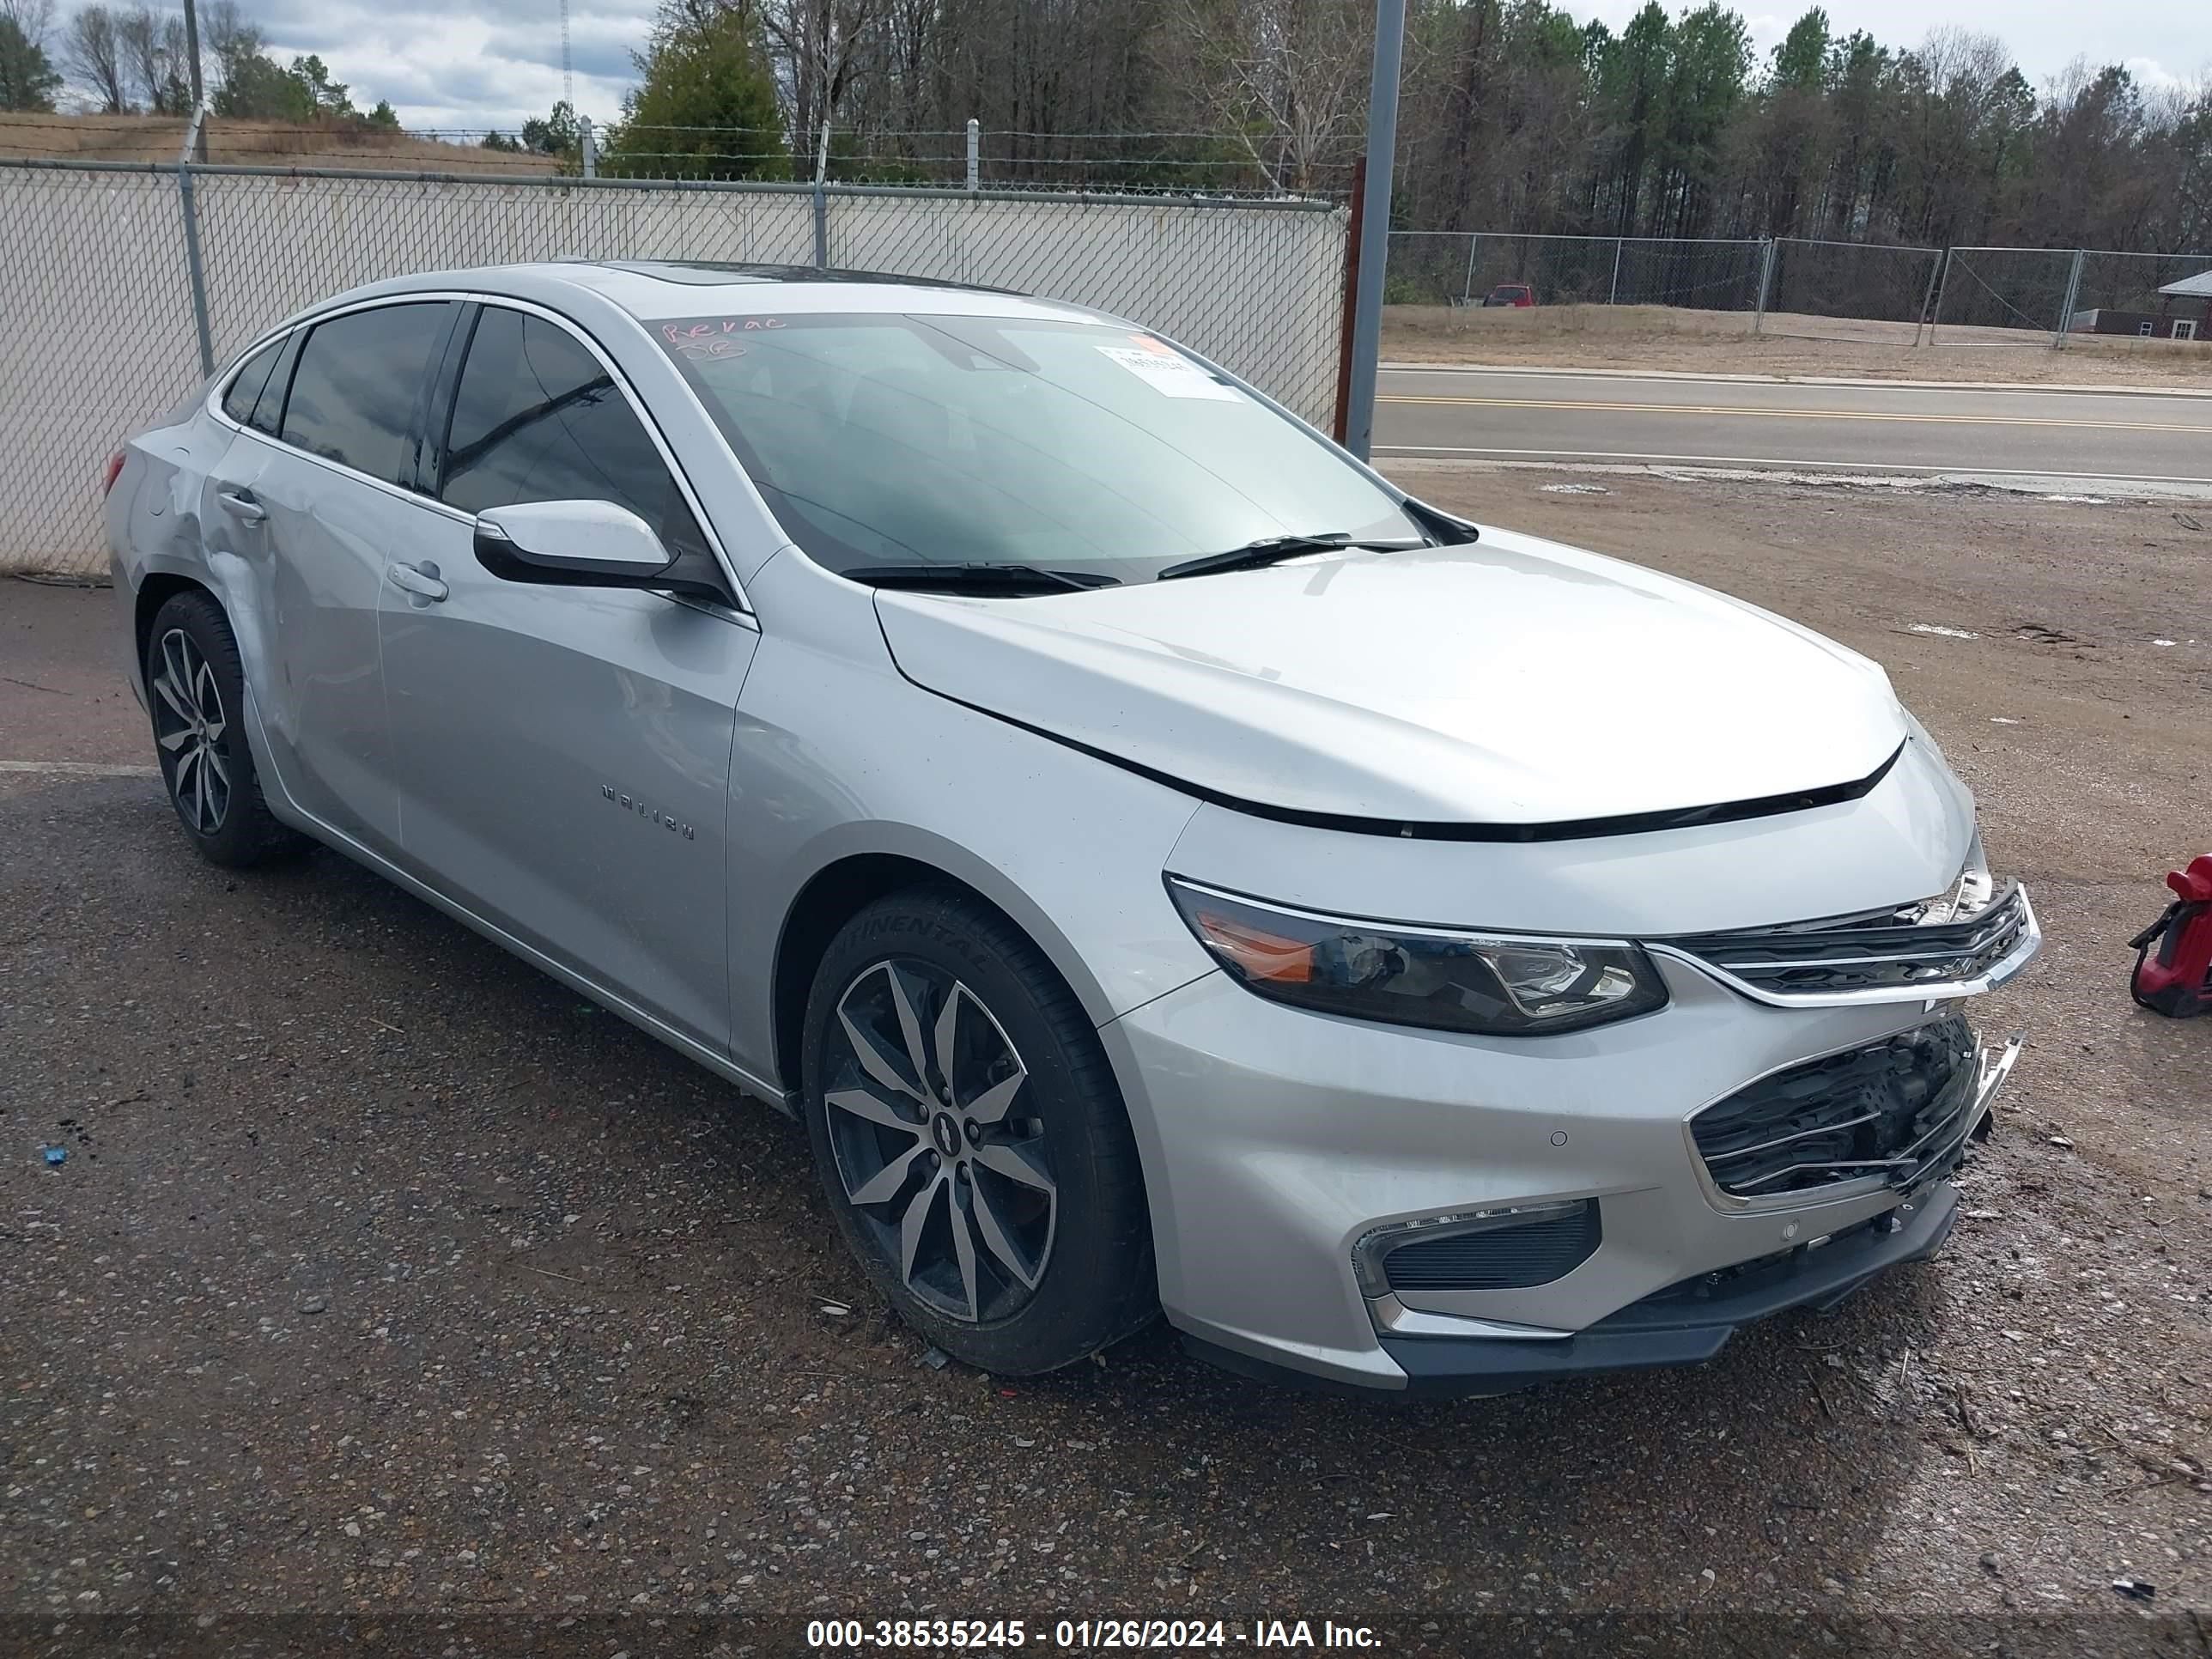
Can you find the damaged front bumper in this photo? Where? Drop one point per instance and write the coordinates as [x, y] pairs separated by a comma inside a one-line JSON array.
[[1686, 1322]]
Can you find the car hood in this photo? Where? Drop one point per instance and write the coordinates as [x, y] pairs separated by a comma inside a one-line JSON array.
[[1506, 682]]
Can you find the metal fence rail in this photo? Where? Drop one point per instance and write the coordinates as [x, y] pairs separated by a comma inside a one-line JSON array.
[[99, 303]]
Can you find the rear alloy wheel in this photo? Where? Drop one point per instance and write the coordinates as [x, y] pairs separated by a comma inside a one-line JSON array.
[[971, 1138], [195, 693], [193, 731]]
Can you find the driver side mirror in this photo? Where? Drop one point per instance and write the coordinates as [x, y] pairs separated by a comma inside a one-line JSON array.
[[580, 544]]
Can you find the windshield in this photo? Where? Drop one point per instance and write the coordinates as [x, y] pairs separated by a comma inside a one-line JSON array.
[[1099, 451]]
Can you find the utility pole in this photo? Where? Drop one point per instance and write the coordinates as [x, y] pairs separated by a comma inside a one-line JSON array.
[[193, 48], [1375, 224], [567, 65], [821, 196]]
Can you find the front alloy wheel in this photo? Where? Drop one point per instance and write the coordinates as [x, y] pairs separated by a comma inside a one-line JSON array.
[[933, 1143], [970, 1137]]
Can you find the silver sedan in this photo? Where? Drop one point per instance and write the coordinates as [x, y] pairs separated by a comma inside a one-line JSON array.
[[1162, 864]]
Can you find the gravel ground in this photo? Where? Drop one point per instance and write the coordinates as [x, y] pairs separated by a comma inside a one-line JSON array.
[[1722, 343], [389, 1295]]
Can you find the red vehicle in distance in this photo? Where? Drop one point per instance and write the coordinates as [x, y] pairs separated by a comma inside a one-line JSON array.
[[1510, 294]]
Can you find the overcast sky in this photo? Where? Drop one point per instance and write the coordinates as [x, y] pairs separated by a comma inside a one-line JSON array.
[[475, 63]]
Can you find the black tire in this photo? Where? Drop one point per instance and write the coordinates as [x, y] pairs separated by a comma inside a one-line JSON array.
[[1062, 1119], [195, 695]]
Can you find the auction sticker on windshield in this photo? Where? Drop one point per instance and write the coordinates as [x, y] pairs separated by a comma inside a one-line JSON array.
[[1169, 374]]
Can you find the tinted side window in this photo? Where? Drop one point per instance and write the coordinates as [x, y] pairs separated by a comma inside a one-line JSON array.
[[238, 402], [268, 410], [537, 418], [354, 393]]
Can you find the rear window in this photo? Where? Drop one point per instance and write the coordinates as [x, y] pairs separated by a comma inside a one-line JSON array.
[[354, 393], [246, 388]]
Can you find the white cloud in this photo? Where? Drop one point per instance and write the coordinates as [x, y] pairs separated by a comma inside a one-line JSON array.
[[477, 64], [2153, 75], [1767, 31]]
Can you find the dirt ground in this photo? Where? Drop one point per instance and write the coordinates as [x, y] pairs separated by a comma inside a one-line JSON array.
[[390, 1295], [1722, 343], [43, 136]]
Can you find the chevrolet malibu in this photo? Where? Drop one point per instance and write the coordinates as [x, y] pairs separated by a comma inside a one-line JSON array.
[[1162, 864]]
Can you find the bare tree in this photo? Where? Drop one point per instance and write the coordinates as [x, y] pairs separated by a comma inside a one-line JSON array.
[[1283, 77], [93, 50], [32, 17], [227, 41], [153, 53], [815, 45]]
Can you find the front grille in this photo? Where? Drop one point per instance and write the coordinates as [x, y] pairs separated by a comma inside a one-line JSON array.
[[1862, 953], [1894, 1109], [1511, 1258]]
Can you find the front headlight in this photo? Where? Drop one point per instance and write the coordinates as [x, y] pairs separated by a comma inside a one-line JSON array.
[[1451, 982]]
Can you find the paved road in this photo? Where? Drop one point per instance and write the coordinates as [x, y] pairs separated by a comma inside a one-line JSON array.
[[1509, 414]]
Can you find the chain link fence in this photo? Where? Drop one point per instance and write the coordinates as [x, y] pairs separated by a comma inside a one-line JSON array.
[[99, 289], [1464, 268], [1803, 288], [98, 319], [1788, 286], [1864, 291], [2042, 297], [2003, 295]]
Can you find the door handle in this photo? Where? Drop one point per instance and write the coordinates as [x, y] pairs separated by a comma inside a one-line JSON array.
[[419, 579], [240, 505]]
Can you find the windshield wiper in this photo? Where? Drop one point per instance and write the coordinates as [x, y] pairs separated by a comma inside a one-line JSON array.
[[1270, 548], [978, 575]]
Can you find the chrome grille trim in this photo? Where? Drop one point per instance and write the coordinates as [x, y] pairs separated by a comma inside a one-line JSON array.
[[1783, 1141], [1853, 960]]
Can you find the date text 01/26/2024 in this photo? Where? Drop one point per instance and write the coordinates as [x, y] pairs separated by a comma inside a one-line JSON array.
[[1003, 1634]]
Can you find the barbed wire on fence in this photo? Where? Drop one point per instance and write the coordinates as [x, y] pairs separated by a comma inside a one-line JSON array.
[[1007, 157]]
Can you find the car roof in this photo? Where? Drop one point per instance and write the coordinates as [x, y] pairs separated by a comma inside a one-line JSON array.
[[655, 289], [711, 273]]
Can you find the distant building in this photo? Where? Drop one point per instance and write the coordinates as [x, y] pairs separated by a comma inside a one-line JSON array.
[[2185, 313]]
